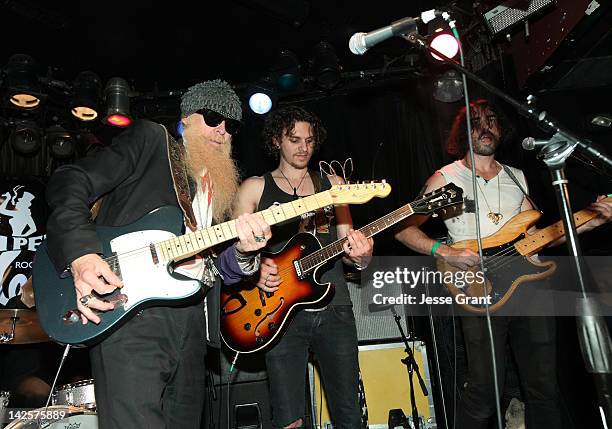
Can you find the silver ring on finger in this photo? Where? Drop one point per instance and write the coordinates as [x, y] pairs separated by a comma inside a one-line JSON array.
[[85, 299], [259, 238]]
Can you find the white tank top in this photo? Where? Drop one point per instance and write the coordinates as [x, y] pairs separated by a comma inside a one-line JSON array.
[[505, 198]]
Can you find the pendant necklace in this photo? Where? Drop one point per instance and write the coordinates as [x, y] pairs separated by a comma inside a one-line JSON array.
[[295, 188], [494, 217]]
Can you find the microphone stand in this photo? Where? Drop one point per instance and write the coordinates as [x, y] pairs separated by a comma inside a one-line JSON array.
[[593, 332], [412, 368]]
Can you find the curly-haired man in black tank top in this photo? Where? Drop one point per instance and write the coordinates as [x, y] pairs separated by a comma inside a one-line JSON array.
[[293, 134]]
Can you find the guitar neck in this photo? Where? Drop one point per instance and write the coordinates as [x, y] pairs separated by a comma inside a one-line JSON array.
[[189, 244], [543, 237], [334, 249]]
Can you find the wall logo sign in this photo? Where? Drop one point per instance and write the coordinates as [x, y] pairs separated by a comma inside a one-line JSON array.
[[22, 230]]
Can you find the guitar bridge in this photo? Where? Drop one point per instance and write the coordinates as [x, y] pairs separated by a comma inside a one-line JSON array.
[[113, 262]]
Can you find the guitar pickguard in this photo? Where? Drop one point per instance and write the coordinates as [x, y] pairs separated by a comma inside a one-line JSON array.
[[505, 270]]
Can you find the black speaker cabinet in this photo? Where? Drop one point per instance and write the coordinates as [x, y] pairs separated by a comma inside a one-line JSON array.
[[245, 404], [245, 400]]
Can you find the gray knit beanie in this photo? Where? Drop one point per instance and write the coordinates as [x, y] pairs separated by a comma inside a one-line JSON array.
[[215, 95]]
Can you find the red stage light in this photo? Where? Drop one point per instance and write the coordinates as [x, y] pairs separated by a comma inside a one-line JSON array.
[[118, 120]]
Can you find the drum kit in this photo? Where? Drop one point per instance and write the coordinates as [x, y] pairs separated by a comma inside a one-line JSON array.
[[73, 405]]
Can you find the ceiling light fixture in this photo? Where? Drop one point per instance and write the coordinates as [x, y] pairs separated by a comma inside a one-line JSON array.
[[285, 71], [117, 99], [602, 120], [60, 142], [442, 39], [448, 88], [23, 88], [326, 66], [261, 97], [86, 91], [26, 137]]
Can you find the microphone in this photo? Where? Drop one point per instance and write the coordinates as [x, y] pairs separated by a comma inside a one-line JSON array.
[[361, 42], [530, 143]]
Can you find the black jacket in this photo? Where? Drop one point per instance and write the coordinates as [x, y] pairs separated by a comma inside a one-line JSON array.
[[132, 174]]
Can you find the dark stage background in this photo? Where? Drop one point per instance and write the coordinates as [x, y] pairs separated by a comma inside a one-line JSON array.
[[391, 126]]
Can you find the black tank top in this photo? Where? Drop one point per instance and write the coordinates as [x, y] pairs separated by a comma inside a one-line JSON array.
[[322, 224]]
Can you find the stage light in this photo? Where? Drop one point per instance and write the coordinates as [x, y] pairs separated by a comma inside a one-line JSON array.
[[286, 71], [60, 142], [603, 120], [326, 66], [503, 17], [260, 103], [26, 137], [86, 91], [446, 44], [261, 97], [23, 88], [117, 99], [448, 88]]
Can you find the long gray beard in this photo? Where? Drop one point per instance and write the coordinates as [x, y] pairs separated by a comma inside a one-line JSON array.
[[223, 173]]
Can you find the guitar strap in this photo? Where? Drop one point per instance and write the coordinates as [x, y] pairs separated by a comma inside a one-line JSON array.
[[183, 186], [513, 177], [316, 181]]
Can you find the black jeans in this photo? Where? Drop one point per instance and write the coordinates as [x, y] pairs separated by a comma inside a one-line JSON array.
[[332, 337], [150, 373], [532, 341]]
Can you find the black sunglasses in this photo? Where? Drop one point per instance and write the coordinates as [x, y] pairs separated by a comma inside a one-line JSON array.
[[213, 119]]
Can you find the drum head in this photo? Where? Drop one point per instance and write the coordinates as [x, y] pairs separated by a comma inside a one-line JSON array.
[[54, 417], [80, 394]]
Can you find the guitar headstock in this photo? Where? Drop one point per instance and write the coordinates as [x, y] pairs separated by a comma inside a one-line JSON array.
[[359, 193], [438, 200]]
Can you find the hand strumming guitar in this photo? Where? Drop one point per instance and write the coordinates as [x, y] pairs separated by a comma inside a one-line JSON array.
[[460, 258]]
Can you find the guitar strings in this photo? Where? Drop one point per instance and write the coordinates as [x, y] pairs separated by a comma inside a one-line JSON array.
[[138, 251], [309, 258]]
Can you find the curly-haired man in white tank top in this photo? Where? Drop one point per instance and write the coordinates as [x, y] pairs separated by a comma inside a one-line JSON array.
[[532, 339]]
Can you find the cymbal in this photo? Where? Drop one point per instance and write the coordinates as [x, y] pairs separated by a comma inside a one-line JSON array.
[[27, 326]]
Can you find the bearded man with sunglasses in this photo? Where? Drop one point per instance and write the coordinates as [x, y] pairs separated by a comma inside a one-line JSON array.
[[150, 372]]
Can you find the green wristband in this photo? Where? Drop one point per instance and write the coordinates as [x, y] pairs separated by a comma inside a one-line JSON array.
[[435, 247]]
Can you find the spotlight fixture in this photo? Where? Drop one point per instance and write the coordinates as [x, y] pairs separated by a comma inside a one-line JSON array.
[[26, 137], [602, 120], [448, 88], [86, 91], [285, 71], [442, 39], [117, 99], [261, 97], [23, 88], [60, 142], [503, 17], [326, 66]]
